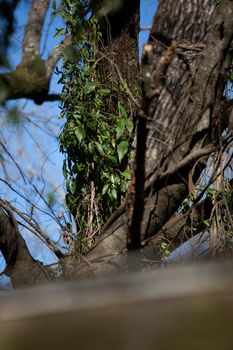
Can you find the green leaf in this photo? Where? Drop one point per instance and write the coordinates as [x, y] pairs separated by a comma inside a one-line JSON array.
[[13, 116], [114, 193], [80, 133], [112, 178], [113, 142], [91, 147], [117, 180], [89, 87], [70, 54], [105, 175], [127, 174], [51, 199], [122, 110], [64, 171], [4, 91], [100, 148], [123, 188], [120, 128], [129, 125], [104, 91], [122, 149], [77, 116], [54, 4], [80, 166], [59, 32], [105, 188]]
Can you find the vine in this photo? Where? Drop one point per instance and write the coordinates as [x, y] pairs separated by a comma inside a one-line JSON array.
[[96, 137]]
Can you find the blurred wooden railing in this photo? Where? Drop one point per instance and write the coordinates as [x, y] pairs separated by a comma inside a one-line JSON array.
[[183, 308]]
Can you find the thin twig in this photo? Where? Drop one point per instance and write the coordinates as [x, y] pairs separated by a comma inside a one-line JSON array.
[[13, 160]]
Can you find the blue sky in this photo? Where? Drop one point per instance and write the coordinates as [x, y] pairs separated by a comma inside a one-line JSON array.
[[46, 161]]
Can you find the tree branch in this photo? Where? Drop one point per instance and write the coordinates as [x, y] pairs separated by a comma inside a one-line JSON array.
[[35, 229], [21, 267], [56, 54], [31, 43]]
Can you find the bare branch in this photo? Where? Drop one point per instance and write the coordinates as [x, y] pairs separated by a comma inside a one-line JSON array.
[[13, 160], [33, 29], [145, 28], [56, 54], [21, 267], [189, 159], [35, 229]]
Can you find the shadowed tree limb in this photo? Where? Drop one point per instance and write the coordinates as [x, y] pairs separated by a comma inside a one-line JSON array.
[[55, 55], [20, 266], [31, 78], [34, 228]]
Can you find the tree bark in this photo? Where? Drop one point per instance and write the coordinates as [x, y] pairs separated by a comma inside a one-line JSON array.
[[31, 78], [118, 57], [184, 66], [20, 265]]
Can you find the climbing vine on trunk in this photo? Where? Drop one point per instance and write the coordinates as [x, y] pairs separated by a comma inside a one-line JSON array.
[[95, 139]]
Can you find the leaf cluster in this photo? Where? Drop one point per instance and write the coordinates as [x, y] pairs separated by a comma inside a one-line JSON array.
[[96, 137]]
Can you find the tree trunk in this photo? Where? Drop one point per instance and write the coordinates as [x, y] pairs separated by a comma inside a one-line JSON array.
[[184, 70], [119, 62], [20, 265]]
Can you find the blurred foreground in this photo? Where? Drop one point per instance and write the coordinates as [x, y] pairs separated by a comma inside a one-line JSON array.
[[189, 307]]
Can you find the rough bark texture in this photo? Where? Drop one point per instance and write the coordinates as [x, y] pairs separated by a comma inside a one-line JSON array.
[[188, 104], [31, 78], [34, 28], [21, 267], [183, 67], [119, 63]]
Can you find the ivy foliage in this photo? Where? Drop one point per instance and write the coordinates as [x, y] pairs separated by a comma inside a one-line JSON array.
[[97, 133]]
